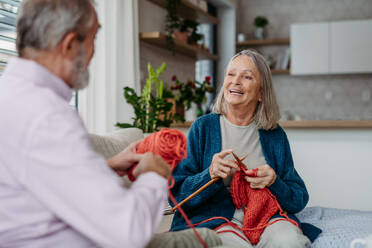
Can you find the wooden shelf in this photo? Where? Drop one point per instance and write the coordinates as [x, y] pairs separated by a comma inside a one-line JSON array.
[[326, 124], [191, 11], [159, 39], [185, 124], [270, 42], [275, 71]]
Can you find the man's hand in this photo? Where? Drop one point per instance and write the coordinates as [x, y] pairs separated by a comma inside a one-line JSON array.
[[266, 176], [221, 167], [152, 162], [121, 162]]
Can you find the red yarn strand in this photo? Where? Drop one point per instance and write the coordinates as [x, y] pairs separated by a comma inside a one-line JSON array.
[[188, 220], [170, 144]]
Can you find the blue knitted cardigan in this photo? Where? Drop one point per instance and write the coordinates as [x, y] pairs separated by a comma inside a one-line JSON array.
[[204, 140]]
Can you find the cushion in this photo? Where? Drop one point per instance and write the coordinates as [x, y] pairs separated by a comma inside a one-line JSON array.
[[113, 143]]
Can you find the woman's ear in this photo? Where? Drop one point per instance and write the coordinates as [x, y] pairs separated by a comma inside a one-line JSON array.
[[69, 45]]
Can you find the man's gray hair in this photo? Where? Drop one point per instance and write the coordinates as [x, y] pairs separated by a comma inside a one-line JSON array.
[[267, 112], [42, 24]]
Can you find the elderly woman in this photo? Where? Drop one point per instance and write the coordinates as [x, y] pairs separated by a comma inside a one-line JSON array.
[[245, 121]]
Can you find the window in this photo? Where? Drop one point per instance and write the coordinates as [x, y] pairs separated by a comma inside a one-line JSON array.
[[8, 23], [8, 19]]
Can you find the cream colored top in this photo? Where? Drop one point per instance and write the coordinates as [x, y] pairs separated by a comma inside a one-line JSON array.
[[243, 140]]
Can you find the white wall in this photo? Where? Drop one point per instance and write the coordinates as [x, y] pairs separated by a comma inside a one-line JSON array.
[[335, 164]]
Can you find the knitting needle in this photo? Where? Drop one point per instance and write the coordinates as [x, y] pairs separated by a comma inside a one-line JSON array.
[[195, 193], [200, 189], [239, 162]]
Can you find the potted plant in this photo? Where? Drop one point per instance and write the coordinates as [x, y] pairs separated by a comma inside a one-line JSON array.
[[184, 92], [200, 93], [183, 32], [191, 27], [260, 23], [151, 108], [172, 21], [191, 95]]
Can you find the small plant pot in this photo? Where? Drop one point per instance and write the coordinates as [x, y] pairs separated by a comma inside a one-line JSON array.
[[192, 113], [177, 108], [259, 33], [199, 111], [181, 36], [241, 37]]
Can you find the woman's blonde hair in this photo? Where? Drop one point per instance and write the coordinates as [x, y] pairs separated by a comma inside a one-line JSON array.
[[267, 112]]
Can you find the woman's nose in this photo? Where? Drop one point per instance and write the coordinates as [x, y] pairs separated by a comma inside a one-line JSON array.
[[236, 80]]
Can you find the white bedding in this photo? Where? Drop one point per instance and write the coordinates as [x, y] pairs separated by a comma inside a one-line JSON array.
[[339, 226]]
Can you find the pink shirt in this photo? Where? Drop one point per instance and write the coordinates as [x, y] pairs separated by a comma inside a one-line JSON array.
[[55, 191]]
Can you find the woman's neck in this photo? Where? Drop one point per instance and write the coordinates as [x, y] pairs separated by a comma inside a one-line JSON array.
[[240, 116]]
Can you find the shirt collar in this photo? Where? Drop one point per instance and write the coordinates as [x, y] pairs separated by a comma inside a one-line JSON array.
[[39, 75]]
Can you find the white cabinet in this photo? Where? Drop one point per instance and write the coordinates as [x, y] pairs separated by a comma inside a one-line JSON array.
[[351, 47], [331, 48], [309, 48]]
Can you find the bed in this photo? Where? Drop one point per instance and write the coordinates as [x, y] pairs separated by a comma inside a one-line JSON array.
[[339, 226]]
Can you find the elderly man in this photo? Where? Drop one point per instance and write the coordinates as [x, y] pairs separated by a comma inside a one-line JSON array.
[[55, 191]]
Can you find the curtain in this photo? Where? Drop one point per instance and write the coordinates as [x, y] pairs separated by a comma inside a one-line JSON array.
[[114, 66]]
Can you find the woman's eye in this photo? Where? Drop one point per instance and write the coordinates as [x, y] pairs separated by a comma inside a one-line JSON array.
[[248, 77], [230, 74]]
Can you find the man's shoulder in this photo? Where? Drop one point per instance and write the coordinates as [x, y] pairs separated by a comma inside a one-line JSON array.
[[31, 99], [22, 108]]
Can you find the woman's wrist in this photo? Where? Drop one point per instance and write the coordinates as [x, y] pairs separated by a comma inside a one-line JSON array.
[[272, 181]]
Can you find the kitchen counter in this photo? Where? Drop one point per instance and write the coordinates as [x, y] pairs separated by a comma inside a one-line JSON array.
[[310, 124]]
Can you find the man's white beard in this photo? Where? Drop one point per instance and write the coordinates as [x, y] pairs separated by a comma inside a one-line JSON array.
[[79, 71]]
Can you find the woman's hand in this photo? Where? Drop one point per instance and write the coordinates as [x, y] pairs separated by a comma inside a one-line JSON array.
[[221, 167], [121, 162], [266, 176]]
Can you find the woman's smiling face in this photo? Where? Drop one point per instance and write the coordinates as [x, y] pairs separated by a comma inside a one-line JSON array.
[[242, 84]]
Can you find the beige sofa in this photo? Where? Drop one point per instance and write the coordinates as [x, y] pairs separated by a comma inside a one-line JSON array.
[[113, 143]]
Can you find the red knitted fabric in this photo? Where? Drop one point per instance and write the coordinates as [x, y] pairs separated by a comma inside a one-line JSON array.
[[170, 144], [259, 205]]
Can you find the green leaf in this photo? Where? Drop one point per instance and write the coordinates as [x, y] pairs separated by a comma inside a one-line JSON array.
[[161, 69], [123, 125], [161, 89], [151, 104]]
